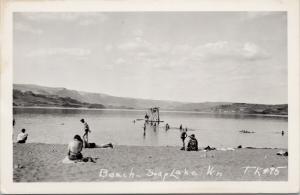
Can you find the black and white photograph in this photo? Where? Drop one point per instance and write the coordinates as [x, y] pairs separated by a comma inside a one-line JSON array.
[[150, 96]]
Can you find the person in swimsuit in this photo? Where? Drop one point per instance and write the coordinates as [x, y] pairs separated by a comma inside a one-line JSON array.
[[86, 131], [75, 148]]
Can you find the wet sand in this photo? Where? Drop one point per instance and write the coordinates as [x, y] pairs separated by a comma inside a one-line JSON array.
[[35, 162]]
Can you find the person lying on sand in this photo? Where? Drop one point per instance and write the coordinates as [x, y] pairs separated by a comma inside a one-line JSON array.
[[22, 137], [94, 145], [192, 144]]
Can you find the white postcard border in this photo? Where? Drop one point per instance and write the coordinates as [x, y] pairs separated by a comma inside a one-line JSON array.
[[10, 6]]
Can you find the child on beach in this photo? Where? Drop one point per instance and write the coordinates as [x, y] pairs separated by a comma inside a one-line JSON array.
[[22, 137]]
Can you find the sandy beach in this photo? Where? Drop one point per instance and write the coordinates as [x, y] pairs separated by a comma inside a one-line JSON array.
[[35, 162]]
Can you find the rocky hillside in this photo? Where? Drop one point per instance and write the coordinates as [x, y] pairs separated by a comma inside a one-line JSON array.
[[28, 99], [34, 95]]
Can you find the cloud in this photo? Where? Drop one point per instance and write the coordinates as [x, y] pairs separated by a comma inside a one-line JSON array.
[[253, 52], [144, 47], [27, 28], [260, 14], [108, 47], [232, 51], [120, 61], [86, 22], [79, 52], [164, 55], [138, 32], [83, 18]]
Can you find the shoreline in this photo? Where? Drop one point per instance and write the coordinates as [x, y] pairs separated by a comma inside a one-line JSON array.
[[142, 110], [166, 146], [38, 162]]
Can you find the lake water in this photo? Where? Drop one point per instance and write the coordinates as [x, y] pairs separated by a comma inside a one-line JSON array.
[[117, 126]]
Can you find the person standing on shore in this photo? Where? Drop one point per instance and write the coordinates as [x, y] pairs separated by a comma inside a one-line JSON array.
[[183, 136], [86, 131]]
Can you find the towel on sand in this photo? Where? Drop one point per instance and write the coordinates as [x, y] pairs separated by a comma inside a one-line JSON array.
[[66, 160]]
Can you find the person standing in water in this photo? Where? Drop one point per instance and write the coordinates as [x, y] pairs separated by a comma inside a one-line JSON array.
[[144, 135], [86, 131]]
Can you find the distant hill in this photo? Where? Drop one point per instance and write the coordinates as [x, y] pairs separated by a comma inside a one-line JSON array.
[[28, 99], [35, 95]]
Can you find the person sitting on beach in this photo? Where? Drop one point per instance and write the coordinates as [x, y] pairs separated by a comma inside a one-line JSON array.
[[74, 151], [193, 143], [22, 137], [86, 130], [183, 136], [75, 148]]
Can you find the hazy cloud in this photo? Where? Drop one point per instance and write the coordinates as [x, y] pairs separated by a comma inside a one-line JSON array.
[[80, 52], [27, 28], [83, 19], [260, 14], [162, 55], [232, 51]]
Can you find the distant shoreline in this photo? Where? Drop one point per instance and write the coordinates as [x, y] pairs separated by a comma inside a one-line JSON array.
[[166, 111]]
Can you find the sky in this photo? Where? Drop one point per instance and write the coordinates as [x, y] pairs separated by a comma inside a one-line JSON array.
[[180, 56]]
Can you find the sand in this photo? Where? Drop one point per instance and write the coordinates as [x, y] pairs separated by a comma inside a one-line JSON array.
[[35, 162]]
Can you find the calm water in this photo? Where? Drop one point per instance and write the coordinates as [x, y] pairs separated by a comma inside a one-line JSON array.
[[116, 126]]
